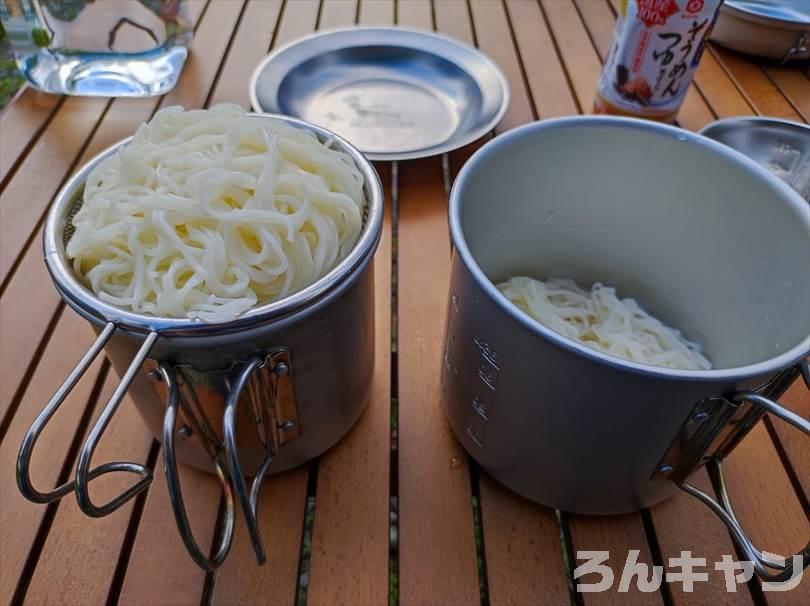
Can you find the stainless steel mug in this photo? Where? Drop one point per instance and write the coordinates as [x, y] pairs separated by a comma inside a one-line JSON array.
[[705, 239], [259, 394]]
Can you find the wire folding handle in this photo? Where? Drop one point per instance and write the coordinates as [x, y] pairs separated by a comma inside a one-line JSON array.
[[769, 569], [225, 535], [248, 501], [84, 474]]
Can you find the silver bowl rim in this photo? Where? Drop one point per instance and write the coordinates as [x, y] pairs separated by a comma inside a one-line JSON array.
[[790, 196], [434, 150], [747, 12], [82, 298], [745, 121]]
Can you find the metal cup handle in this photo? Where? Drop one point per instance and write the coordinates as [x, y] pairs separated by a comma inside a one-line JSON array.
[[84, 475], [768, 569], [248, 501], [225, 536]]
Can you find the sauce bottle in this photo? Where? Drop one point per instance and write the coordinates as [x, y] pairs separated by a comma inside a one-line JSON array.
[[657, 45]]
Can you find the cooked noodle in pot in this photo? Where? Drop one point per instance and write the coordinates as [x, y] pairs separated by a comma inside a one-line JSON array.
[[208, 213], [602, 321]]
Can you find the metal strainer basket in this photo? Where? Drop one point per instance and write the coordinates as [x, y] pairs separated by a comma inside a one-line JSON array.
[[223, 397]]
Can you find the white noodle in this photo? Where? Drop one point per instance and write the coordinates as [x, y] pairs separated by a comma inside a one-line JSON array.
[[602, 321], [208, 213]]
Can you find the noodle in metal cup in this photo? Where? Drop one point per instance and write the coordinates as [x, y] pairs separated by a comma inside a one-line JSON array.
[[256, 395], [705, 239]]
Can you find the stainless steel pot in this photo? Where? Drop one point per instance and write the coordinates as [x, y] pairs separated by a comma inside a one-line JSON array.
[[775, 29], [703, 237], [259, 394]]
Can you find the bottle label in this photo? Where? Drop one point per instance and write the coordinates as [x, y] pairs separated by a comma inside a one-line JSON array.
[[657, 45]]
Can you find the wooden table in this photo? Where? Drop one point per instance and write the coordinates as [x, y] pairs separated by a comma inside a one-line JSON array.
[[396, 511]]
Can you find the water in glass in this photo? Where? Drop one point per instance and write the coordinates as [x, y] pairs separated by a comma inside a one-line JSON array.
[[99, 47]]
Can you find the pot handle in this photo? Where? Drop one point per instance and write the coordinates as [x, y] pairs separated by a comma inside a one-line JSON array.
[[84, 474], [248, 501], [268, 383], [225, 534], [768, 569]]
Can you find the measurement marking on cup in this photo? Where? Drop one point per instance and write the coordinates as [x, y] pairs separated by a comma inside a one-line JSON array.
[[480, 407], [489, 354], [488, 372]]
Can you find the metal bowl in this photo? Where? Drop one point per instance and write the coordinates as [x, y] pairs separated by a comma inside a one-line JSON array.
[[776, 29], [395, 93], [781, 146]]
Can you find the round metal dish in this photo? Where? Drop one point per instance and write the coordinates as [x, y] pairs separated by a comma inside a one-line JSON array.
[[781, 146], [395, 93], [777, 29]]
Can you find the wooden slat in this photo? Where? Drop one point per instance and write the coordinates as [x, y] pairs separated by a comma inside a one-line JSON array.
[[752, 82], [547, 80], [719, 90], [337, 13], [87, 579], [437, 561], [524, 558], [617, 535], [794, 85], [19, 518], [240, 580], [36, 181], [495, 39], [453, 19], [160, 571], [415, 13], [299, 19], [578, 54], [599, 20], [26, 309], [20, 124], [795, 445], [766, 504], [683, 524], [250, 45], [376, 12]]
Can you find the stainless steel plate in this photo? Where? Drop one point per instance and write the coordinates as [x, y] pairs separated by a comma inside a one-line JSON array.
[[394, 93], [781, 146]]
